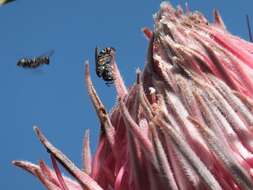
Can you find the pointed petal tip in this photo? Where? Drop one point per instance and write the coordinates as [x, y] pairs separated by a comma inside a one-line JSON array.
[[187, 7], [138, 76], [87, 133], [15, 162], [20, 163], [37, 131], [87, 69], [218, 19], [25, 165], [138, 70]]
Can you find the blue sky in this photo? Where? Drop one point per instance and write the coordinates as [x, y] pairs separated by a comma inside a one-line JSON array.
[[54, 97]]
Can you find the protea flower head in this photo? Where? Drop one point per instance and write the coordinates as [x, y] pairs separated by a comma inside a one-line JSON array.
[[185, 124]]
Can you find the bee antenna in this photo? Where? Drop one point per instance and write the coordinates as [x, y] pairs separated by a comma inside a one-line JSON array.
[[96, 54]]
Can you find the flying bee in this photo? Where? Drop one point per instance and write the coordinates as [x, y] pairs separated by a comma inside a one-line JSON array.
[[104, 64], [35, 61]]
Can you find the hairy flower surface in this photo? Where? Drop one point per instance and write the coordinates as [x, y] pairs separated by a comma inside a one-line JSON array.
[[185, 124]]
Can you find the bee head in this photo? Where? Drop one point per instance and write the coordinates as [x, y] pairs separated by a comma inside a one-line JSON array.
[[113, 49], [47, 60], [21, 62]]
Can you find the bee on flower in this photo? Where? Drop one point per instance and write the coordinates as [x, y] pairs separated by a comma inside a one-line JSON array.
[[103, 61]]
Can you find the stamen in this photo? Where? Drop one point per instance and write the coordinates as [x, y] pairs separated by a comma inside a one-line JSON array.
[[105, 121], [58, 173], [87, 159], [85, 180]]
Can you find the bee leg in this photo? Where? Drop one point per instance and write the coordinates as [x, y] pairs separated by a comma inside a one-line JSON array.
[[109, 83]]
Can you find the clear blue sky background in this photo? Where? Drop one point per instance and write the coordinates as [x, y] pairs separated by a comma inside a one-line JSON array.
[[54, 97]]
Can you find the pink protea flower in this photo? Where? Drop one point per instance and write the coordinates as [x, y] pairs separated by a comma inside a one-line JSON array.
[[185, 124]]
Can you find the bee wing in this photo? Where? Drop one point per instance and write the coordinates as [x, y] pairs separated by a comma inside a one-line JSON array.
[[47, 54], [96, 61]]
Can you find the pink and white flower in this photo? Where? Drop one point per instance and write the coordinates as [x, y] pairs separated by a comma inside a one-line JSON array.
[[186, 124]]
